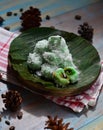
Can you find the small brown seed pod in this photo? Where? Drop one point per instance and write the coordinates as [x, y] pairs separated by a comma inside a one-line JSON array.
[[31, 18], [12, 100]]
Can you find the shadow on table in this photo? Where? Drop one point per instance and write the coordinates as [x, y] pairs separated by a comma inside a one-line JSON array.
[[38, 106]]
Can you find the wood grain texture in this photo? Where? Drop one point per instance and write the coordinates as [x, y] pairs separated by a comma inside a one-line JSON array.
[[35, 107], [92, 14], [97, 124], [51, 7]]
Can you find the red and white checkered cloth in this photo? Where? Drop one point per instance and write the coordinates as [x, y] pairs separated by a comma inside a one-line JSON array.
[[76, 103]]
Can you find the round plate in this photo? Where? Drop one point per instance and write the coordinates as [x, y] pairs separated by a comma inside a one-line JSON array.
[[85, 57]]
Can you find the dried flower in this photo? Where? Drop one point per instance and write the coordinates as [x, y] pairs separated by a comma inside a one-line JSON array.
[[86, 31], [56, 124], [31, 18], [12, 100]]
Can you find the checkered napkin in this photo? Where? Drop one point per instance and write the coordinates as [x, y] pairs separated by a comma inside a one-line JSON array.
[[76, 103]]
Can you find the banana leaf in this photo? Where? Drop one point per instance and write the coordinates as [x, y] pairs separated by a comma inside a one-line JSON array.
[[84, 54]]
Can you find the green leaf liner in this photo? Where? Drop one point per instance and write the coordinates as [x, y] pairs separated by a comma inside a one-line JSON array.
[[85, 57]]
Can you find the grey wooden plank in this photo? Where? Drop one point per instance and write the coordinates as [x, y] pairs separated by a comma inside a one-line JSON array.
[[93, 14], [35, 107]]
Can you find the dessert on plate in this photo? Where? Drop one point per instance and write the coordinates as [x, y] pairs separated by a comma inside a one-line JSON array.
[[54, 62]]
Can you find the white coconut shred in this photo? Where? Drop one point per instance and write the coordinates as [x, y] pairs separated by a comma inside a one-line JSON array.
[[49, 55]]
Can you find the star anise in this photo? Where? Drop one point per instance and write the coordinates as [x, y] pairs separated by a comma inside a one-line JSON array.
[[31, 18], [56, 124], [12, 100]]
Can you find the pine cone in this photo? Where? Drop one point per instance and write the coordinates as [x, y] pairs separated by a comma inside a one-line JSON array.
[[86, 31], [56, 124], [12, 100], [31, 18]]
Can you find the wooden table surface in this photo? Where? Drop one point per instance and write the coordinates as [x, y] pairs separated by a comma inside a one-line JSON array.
[[35, 107]]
